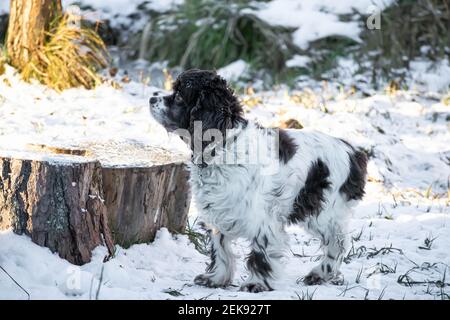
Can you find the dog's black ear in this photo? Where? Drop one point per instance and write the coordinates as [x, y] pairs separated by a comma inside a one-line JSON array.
[[217, 107], [213, 111]]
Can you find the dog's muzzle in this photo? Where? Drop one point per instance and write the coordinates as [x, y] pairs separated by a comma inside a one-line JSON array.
[[155, 100], [158, 109], [156, 103]]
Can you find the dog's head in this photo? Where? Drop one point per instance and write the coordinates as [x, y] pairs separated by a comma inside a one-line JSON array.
[[198, 95]]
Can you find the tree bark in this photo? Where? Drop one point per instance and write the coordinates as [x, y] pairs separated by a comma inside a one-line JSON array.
[[140, 201], [60, 206], [73, 206], [28, 23]]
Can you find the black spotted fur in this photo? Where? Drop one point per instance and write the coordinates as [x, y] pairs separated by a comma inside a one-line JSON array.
[[311, 197], [286, 147], [353, 188]]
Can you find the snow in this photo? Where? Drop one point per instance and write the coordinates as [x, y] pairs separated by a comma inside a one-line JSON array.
[[122, 14], [125, 7], [298, 61], [406, 202], [54, 278], [4, 7], [234, 70], [118, 12], [435, 77], [317, 19]]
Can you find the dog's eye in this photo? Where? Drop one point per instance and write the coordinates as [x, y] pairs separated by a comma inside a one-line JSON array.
[[178, 98]]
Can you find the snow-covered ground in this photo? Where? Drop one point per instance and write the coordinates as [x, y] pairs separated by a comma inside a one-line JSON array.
[[401, 230]]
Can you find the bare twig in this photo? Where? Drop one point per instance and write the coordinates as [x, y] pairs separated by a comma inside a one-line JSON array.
[[382, 293], [358, 276], [99, 283], [16, 282]]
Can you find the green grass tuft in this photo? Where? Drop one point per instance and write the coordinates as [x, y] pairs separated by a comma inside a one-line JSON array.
[[200, 240], [211, 34]]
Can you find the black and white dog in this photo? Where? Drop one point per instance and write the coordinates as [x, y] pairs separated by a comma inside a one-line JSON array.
[[318, 180]]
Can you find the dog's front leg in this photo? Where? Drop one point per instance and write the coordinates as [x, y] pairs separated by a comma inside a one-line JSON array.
[[263, 262], [220, 271]]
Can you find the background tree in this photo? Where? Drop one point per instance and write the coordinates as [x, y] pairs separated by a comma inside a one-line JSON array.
[[45, 44], [28, 23]]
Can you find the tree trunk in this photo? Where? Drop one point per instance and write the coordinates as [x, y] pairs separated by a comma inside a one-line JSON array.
[[72, 206], [28, 23]]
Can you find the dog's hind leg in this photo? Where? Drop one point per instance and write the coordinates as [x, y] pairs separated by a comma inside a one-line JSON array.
[[263, 262], [334, 243], [220, 271]]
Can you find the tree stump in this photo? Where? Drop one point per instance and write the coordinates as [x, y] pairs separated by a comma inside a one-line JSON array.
[[75, 202]]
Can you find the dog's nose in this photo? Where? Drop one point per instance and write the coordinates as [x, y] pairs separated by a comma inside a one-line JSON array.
[[153, 100]]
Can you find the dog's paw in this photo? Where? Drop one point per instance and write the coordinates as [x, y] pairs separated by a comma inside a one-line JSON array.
[[313, 278], [207, 280], [254, 287], [338, 279]]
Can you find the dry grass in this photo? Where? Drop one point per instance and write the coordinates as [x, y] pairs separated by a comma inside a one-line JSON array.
[[446, 99], [2, 62], [70, 57], [307, 97], [168, 80], [251, 100]]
